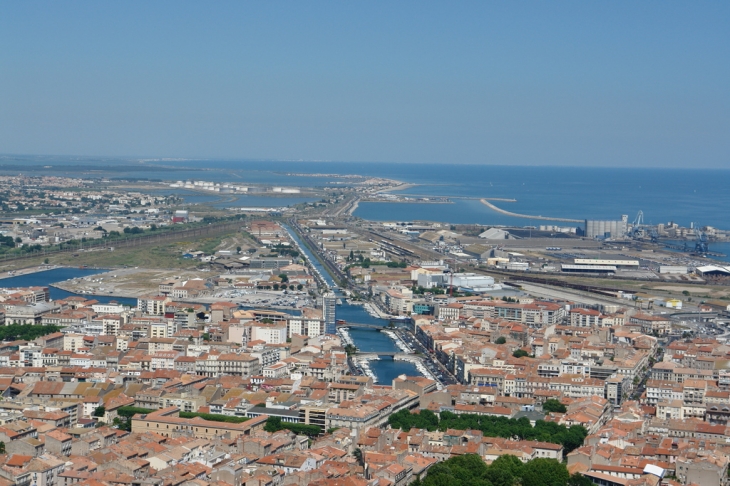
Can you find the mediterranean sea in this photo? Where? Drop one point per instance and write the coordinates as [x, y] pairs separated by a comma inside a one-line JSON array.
[[679, 195]]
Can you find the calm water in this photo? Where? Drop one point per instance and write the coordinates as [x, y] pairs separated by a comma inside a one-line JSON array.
[[682, 196], [372, 340], [48, 277], [679, 195], [264, 201]]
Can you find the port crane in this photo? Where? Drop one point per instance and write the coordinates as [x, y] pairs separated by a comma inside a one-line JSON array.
[[639, 229], [701, 242]]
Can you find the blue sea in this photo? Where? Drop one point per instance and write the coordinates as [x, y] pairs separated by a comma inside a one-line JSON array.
[[683, 196], [679, 195]]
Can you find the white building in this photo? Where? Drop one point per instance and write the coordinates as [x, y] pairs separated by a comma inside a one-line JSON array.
[[269, 333]]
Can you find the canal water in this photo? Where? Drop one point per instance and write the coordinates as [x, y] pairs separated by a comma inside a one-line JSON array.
[[366, 340], [47, 277]]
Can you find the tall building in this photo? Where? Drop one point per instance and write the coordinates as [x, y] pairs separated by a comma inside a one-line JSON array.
[[329, 305]]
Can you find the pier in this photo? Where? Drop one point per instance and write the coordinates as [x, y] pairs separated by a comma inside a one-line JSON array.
[[527, 216]]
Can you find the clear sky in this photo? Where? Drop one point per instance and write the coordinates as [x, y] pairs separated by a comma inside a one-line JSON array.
[[633, 83]]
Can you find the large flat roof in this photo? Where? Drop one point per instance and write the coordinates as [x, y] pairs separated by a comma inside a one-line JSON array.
[[588, 268]]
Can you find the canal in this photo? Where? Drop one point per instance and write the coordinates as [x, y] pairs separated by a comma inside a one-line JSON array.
[[366, 340]]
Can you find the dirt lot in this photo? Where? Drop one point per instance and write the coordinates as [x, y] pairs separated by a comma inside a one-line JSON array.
[[128, 282]]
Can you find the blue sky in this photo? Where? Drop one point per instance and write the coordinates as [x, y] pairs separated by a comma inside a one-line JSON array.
[[524, 83]]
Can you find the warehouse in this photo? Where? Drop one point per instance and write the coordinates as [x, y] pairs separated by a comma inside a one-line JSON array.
[[618, 262], [713, 271], [595, 269]]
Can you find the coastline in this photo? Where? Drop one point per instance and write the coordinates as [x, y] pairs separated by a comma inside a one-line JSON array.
[[400, 187], [28, 271]]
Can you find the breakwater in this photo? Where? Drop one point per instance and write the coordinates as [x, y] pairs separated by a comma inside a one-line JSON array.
[[527, 216]]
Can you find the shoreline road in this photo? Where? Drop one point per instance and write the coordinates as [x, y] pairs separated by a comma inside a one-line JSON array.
[[527, 216]]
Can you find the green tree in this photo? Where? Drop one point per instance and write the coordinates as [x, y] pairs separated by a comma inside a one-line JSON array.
[[284, 277], [545, 472], [464, 470], [2, 447], [99, 411], [578, 479], [520, 353], [500, 340], [553, 405], [357, 453], [300, 287], [510, 463], [500, 477]]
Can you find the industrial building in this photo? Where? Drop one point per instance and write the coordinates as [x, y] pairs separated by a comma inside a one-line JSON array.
[[673, 270], [599, 269], [472, 282], [713, 271], [607, 229], [617, 262]]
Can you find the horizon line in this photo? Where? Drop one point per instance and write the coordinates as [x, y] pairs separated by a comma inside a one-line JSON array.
[[148, 158]]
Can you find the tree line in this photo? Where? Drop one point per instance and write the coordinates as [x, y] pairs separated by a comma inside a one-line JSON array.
[[569, 437], [507, 470], [275, 424], [25, 332]]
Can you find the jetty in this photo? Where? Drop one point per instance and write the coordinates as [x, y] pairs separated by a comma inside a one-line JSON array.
[[527, 216]]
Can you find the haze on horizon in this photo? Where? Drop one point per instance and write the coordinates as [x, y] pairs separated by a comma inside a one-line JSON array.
[[522, 83]]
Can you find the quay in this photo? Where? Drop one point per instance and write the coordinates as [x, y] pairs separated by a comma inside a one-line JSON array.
[[689, 249], [527, 216]]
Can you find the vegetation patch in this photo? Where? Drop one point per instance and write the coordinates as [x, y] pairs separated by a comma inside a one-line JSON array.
[[569, 437]]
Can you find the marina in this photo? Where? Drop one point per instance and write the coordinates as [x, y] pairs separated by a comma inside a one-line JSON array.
[[398, 341], [418, 362], [345, 336]]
